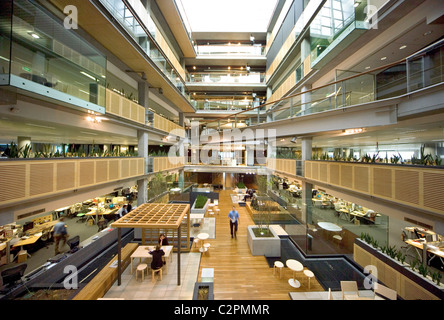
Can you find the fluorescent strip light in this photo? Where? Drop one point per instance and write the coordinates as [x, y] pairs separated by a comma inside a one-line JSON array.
[[88, 75], [39, 126], [92, 134]]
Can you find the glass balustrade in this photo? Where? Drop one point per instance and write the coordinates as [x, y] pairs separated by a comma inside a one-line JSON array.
[[144, 36], [47, 55], [222, 105], [227, 78], [231, 49], [421, 70]]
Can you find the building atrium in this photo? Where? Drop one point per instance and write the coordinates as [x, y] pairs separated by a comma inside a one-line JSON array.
[[222, 150]]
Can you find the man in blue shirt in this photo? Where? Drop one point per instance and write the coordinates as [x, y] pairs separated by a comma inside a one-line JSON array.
[[234, 221]]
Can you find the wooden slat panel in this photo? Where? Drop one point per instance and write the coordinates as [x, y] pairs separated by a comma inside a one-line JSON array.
[[334, 174], [15, 176], [86, 174], [315, 170], [101, 171], [433, 181], [361, 178], [124, 168], [347, 176], [382, 182], [66, 175], [407, 186], [114, 169], [41, 178], [323, 172]]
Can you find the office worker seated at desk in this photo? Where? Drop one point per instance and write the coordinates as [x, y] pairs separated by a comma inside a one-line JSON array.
[[163, 241], [157, 261], [122, 211]]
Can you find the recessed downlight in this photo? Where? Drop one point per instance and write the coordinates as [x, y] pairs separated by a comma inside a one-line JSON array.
[[402, 47], [383, 58]]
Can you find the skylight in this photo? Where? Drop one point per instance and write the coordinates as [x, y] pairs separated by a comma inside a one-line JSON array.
[[227, 15]]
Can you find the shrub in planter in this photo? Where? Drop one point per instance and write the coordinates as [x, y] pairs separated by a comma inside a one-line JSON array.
[[200, 202]]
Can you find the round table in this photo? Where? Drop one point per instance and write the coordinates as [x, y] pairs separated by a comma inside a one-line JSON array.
[[203, 237], [329, 226], [296, 266]]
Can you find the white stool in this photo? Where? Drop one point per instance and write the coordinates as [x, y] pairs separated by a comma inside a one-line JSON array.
[[159, 271], [278, 265], [196, 241], [217, 211], [210, 212], [141, 268], [310, 275]]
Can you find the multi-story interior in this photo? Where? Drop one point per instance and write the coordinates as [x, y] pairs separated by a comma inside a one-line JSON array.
[[331, 111]]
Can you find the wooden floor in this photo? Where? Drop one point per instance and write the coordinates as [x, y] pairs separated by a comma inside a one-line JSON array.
[[237, 274]]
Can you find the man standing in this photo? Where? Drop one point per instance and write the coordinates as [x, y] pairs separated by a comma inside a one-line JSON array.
[[60, 233], [234, 221]]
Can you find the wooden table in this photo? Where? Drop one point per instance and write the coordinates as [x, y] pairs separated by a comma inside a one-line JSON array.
[[296, 266], [143, 252], [35, 234]]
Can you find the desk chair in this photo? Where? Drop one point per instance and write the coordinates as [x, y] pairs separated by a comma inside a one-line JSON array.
[[349, 288]]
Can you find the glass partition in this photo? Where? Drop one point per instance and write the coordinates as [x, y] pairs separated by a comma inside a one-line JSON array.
[[144, 35], [328, 225], [47, 54], [334, 17], [5, 40]]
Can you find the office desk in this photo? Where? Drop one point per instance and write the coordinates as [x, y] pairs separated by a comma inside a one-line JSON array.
[[95, 215], [434, 248], [143, 252], [35, 234]]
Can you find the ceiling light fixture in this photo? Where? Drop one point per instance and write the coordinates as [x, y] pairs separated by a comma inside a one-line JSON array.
[[88, 75], [402, 47], [383, 58], [353, 131]]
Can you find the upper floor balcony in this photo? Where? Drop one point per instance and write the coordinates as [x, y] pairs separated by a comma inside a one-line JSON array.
[[232, 49]]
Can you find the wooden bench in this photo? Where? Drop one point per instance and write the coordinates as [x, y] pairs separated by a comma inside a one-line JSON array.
[[104, 280]]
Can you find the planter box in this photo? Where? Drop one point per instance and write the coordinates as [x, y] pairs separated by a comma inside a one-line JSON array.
[[203, 210], [266, 246], [205, 286], [409, 284]]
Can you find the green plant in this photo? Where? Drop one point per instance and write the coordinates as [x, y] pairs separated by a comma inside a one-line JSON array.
[[438, 160], [200, 202], [375, 157], [400, 256], [414, 263], [26, 151], [422, 269], [241, 185], [366, 158], [391, 252]]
